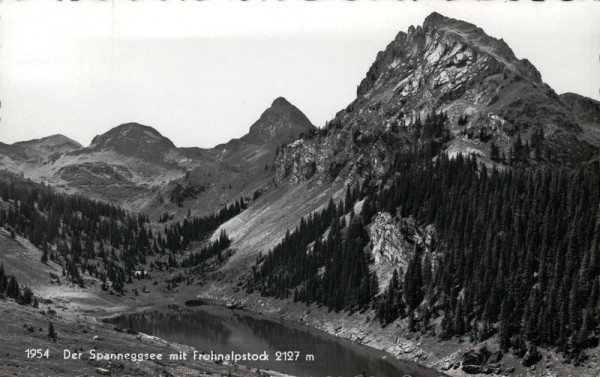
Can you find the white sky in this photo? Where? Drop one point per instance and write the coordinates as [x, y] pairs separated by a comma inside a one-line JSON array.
[[202, 72]]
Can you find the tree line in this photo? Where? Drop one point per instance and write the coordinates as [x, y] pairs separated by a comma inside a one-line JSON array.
[[9, 287], [95, 238]]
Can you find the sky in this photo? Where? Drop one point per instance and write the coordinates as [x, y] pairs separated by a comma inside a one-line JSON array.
[[201, 72]]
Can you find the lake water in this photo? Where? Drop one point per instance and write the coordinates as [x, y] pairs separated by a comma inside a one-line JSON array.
[[210, 328]]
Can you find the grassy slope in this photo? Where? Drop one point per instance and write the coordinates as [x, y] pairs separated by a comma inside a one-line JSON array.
[[264, 223], [76, 324]]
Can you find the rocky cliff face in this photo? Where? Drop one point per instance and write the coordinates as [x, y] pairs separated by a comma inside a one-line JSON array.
[[447, 66], [392, 244]]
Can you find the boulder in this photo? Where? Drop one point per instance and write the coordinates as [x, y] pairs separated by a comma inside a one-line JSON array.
[[473, 357], [532, 356], [481, 369], [495, 357]]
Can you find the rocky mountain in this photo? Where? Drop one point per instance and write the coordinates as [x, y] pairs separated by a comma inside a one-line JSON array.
[[490, 98], [280, 123], [135, 140], [244, 166], [135, 166], [488, 95], [48, 147], [38, 151], [422, 243]]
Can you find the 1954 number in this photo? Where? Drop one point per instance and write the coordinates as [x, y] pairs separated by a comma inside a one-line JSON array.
[[37, 353]]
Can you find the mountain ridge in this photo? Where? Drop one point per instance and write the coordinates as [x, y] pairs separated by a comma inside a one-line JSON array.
[[113, 137], [57, 138], [444, 65], [138, 167]]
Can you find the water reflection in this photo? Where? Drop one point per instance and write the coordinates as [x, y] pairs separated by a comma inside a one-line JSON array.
[[220, 330]]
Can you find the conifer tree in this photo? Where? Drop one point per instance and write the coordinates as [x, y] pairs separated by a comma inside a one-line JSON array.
[[51, 332], [12, 289], [3, 280]]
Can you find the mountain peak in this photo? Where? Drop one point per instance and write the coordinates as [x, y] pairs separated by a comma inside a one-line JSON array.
[[280, 101], [444, 40], [465, 33], [41, 149], [52, 141], [136, 128], [282, 122], [435, 18], [133, 139]]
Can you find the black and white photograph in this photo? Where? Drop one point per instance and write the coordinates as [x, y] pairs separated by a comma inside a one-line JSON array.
[[299, 188]]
